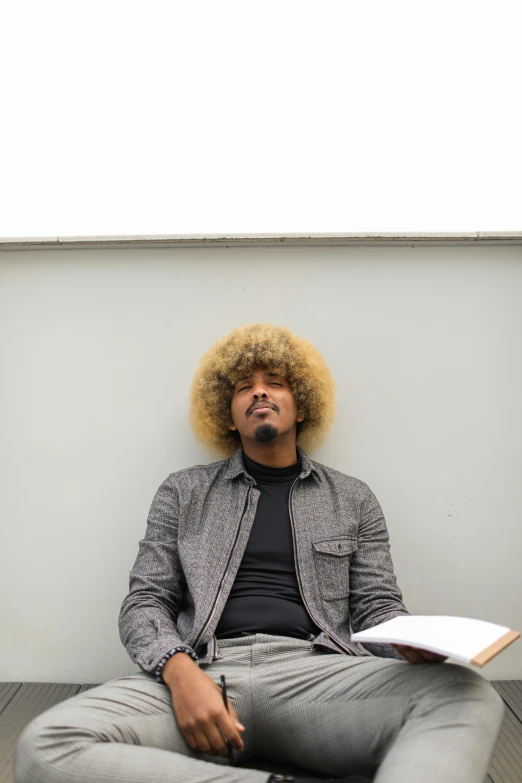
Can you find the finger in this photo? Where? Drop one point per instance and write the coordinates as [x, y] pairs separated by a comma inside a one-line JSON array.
[[410, 654], [402, 651], [431, 656], [210, 741], [190, 739], [228, 729], [416, 656], [216, 739], [202, 744], [423, 656], [234, 717]]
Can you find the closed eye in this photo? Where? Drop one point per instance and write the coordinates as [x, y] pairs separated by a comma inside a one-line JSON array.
[[274, 383]]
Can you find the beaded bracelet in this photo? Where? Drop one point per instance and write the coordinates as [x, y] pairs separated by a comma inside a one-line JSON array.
[[168, 655]]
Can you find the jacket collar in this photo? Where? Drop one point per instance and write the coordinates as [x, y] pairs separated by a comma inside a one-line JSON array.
[[236, 466]]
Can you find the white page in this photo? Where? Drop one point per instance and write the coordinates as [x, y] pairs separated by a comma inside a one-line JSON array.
[[456, 637]]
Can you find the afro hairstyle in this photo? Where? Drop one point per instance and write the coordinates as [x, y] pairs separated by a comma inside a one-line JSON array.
[[277, 349]]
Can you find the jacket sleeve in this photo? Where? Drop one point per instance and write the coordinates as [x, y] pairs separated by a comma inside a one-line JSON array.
[[374, 593], [147, 620]]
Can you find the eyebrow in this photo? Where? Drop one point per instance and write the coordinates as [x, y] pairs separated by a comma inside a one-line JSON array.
[[271, 374]]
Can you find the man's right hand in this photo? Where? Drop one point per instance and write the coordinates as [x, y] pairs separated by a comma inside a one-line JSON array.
[[199, 709]]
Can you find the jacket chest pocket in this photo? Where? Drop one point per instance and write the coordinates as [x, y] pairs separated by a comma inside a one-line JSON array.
[[332, 563]]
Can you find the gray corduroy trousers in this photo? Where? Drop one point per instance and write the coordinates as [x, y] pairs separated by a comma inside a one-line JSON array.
[[328, 713]]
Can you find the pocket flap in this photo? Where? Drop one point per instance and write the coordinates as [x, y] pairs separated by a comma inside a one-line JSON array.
[[336, 546]]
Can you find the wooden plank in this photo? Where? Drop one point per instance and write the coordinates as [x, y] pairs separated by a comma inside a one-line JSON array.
[[7, 692], [506, 764], [29, 700], [511, 692]]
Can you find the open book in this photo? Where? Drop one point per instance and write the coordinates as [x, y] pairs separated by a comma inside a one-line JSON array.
[[472, 641]]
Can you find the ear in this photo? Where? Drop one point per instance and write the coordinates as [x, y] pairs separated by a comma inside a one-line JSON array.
[[299, 417], [232, 427]]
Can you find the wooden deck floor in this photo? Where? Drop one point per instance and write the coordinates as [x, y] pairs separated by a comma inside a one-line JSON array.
[[21, 702]]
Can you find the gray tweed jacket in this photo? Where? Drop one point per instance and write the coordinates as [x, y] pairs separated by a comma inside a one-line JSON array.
[[197, 531]]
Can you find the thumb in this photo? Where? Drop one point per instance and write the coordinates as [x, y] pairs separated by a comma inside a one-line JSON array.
[[233, 715]]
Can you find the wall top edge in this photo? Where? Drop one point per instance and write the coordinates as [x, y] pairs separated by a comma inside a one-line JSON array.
[[251, 240]]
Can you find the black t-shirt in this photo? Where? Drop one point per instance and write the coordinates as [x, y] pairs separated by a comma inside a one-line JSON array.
[[265, 596]]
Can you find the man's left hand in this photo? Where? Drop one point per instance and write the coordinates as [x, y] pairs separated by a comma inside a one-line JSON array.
[[416, 655]]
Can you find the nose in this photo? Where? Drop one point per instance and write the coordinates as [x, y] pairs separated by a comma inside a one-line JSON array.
[[259, 390]]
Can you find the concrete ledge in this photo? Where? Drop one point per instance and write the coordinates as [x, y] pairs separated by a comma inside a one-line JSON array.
[[263, 240]]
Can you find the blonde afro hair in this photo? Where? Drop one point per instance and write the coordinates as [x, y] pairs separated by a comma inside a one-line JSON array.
[[277, 349]]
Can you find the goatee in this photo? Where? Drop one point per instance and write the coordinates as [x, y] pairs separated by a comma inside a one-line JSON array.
[[265, 433]]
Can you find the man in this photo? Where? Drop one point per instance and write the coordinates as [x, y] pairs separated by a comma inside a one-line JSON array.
[[256, 567]]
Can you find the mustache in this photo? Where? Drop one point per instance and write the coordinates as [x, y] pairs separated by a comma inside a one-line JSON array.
[[261, 405]]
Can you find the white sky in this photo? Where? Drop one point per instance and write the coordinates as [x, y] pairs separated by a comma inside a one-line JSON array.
[[277, 116]]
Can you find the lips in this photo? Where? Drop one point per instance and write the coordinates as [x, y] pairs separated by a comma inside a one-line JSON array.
[[262, 408]]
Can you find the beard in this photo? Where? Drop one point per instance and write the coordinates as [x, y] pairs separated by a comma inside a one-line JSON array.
[[265, 433]]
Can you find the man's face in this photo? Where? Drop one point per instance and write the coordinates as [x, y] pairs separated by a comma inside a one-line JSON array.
[[263, 406]]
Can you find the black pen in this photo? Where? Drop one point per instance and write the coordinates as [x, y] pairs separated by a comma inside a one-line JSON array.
[[225, 701]]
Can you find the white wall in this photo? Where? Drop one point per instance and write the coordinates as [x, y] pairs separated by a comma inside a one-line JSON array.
[[98, 350]]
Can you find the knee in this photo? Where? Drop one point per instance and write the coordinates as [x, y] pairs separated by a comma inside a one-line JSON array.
[[42, 746], [493, 701], [28, 757], [470, 684]]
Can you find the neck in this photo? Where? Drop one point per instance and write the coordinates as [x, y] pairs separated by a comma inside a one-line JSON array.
[[274, 455]]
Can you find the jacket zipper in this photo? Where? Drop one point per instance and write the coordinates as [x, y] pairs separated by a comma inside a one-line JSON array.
[[331, 636], [220, 590]]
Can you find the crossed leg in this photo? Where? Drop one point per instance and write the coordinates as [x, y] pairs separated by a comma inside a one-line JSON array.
[[330, 714], [124, 731], [340, 715]]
